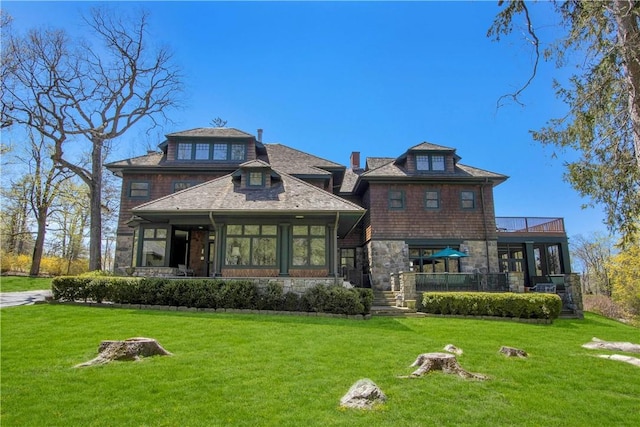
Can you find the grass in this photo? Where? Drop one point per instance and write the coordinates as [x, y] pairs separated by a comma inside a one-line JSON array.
[[23, 283], [248, 370]]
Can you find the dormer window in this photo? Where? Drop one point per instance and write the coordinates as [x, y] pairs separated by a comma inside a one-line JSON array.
[[431, 162], [255, 179], [207, 151]]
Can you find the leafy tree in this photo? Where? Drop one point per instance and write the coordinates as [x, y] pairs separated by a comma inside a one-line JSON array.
[[72, 92], [603, 96], [625, 276], [15, 217]]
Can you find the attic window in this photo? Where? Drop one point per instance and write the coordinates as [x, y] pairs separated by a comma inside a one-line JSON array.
[[430, 162], [255, 179]]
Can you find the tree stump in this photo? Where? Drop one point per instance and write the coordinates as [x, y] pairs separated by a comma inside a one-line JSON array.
[[513, 352], [444, 362], [129, 349], [453, 349], [364, 394]]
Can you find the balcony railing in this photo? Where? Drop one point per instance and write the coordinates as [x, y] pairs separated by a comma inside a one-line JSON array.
[[529, 225]]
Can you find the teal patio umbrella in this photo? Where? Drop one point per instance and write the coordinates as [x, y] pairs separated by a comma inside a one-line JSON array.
[[447, 254]]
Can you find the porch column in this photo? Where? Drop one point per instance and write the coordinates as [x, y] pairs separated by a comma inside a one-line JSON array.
[[333, 244], [284, 238], [219, 243]]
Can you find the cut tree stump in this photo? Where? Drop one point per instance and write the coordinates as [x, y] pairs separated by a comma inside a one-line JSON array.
[[598, 344], [453, 349], [513, 352], [444, 362], [129, 349]]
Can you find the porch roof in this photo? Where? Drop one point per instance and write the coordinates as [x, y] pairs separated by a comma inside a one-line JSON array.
[[288, 196]]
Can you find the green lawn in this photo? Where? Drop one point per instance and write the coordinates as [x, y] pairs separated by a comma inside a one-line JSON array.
[[236, 369], [22, 283]]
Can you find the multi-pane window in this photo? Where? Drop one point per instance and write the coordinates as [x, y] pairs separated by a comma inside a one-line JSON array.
[[348, 257], [182, 185], [256, 179], [511, 257], [468, 199], [430, 162], [154, 244], [251, 245], [139, 189], [396, 199], [207, 151], [202, 151], [184, 151], [309, 246], [432, 199]]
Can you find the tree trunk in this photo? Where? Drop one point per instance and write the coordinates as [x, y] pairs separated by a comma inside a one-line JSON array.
[[38, 248], [444, 362], [129, 349], [629, 42], [598, 344], [95, 207]]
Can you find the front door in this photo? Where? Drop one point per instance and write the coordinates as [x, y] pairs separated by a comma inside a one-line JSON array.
[[179, 248]]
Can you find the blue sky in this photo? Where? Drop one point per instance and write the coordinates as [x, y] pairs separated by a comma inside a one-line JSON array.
[[330, 78]]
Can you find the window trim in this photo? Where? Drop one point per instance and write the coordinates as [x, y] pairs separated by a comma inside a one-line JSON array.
[[437, 200], [139, 197], [309, 237], [229, 153], [262, 179], [402, 199], [251, 238], [463, 200], [428, 159]]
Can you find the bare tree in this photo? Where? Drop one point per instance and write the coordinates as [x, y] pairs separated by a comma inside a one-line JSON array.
[[593, 253], [72, 92]]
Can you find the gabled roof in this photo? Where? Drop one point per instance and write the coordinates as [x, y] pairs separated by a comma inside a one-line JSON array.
[[376, 162], [149, 159], [212, 133], [289, 195], [427, 146]]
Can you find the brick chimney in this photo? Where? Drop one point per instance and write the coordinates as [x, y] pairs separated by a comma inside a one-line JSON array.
[[355, 160], [259, 138]]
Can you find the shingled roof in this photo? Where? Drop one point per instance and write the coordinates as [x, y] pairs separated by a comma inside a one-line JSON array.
[[224, 194], [212, 133], [149, 159], [296, 162]]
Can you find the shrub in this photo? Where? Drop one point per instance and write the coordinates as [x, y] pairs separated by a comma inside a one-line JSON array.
[[207, 293], [537, 306]]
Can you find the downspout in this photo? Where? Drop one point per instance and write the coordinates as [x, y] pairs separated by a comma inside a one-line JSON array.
[[335, 246], [484, 223]]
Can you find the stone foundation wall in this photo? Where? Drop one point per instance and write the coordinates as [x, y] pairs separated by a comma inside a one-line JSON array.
[[477, 262], [386, 257], [122, 258]]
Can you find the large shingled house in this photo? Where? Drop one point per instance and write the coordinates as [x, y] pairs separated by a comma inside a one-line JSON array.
[[220, 202]]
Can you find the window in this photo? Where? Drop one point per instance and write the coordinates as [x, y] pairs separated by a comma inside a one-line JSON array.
[[251, 245], [430, 162], [182, 185], [206, 151], [184, 151], [432, 199], [348, 257], [309, 246], [202, 151], [511, 257], [154, 244], [255, 179], [139, 189], [396, 199], [468, 199]]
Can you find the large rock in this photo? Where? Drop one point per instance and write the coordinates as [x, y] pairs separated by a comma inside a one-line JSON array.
[[364, 394]]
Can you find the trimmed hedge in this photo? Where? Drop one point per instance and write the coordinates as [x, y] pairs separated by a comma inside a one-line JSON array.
[[208, 293], [525, 306]]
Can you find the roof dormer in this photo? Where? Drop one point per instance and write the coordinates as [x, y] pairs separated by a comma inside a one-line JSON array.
[[429, 158], [255, 174]]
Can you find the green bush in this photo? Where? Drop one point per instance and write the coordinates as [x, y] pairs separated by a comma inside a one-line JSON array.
[[527, 306], [207, 293]]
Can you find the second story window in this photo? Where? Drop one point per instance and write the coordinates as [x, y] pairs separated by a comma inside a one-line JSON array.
[[396, 199], [139, 189], [430, 162], [182, 185], [468, 199], [432, 199]]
